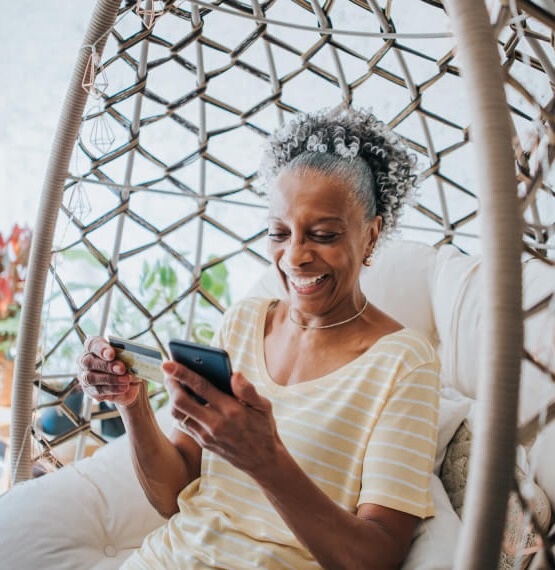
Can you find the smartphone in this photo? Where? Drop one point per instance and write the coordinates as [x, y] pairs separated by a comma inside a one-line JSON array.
[[207, 361]]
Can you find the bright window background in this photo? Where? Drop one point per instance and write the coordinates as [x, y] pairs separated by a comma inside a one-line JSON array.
[[39, 43]]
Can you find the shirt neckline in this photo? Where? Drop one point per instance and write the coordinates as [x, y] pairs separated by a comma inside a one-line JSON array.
[[307, 385]]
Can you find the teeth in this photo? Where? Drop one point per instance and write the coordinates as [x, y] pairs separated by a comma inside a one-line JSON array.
[[304, 282]]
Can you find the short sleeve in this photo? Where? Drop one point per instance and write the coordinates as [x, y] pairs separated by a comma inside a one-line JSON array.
[[399, 458], [235, 318]]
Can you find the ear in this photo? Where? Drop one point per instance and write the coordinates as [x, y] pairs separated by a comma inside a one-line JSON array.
[[374, 229]]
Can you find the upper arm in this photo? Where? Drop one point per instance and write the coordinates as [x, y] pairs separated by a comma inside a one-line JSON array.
[[397, 527]]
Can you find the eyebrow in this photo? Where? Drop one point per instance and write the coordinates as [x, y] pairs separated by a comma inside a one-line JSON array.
[[326, 219]]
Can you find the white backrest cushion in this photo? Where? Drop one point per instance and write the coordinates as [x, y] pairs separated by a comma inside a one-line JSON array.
[[458, 299], [539, 330], [398, 282]]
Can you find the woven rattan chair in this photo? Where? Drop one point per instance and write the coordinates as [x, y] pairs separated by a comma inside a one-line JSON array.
[[157, 147]]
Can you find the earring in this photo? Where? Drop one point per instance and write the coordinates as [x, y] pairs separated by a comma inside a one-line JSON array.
[[367, 261]]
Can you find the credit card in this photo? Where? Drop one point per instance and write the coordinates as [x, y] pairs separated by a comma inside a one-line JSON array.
[[143, 361]]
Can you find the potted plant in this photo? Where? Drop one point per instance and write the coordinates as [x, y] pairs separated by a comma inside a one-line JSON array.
[[14, 258]]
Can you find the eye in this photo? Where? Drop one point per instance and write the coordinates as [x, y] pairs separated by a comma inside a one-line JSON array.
[[324, 237], [277, 235]]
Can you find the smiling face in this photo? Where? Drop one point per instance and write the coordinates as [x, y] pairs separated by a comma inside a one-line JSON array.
[[318, 239]]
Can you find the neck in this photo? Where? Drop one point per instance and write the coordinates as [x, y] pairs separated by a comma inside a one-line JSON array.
[[332, 322]]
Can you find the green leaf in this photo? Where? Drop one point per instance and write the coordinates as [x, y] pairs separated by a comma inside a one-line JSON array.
[[172, 277], [148, 277], [206, 281], [153, 301], [218, 290], [220, 272], [80, 255], [164, 278], [203, 333]]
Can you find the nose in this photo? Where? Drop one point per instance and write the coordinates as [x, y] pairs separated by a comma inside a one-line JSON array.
[[298, 251]]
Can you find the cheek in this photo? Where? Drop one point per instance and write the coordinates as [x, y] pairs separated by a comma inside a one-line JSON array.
[[275, 252], [338, 254], [346, 261]]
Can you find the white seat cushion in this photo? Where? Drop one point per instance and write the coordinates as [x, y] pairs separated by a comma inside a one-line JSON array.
[[90, 514]]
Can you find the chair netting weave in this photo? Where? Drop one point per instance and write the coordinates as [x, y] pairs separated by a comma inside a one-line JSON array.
[[152, 210]]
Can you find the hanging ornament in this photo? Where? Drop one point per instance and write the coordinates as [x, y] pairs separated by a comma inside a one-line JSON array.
[[79, 205], [102, 136], [149, 11], [95, 81]]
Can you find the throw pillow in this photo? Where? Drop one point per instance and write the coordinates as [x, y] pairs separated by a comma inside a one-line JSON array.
[[540, 560], [520, 536]]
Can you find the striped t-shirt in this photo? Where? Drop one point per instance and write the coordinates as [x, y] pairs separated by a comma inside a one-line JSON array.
[[365, 433]]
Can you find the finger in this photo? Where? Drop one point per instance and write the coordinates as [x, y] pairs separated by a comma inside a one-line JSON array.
[[108, 393], [101, 347], [199, 385], [246, 393], [184, 403], [191, 428], [111, 390], [89, 361], [92, 379], [184, 408]]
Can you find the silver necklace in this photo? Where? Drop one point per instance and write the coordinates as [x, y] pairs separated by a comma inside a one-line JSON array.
[[355, 316]]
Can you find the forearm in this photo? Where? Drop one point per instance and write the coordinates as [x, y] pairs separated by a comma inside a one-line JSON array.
[[160, 467], [336, 538]]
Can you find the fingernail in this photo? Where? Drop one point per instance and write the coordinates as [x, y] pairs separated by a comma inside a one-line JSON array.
[[169, 367], [118, 368], [107, 354]]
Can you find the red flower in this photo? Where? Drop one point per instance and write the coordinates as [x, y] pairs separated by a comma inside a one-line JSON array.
[[6, 298], [14, 258]]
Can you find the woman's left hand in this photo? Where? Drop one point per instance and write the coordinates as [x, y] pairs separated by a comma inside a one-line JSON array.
[[241, 430]]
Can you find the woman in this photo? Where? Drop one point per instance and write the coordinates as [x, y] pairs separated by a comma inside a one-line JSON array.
[[324, 456]]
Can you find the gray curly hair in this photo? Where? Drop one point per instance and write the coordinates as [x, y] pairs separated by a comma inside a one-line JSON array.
[[352, 144]]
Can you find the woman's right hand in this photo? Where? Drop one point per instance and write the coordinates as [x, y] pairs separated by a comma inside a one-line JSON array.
[[103, 377]]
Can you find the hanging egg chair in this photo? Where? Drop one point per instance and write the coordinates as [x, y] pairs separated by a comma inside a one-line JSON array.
[[152, 217]]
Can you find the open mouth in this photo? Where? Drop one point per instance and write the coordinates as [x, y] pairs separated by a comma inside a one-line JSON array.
[[307, 284]]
